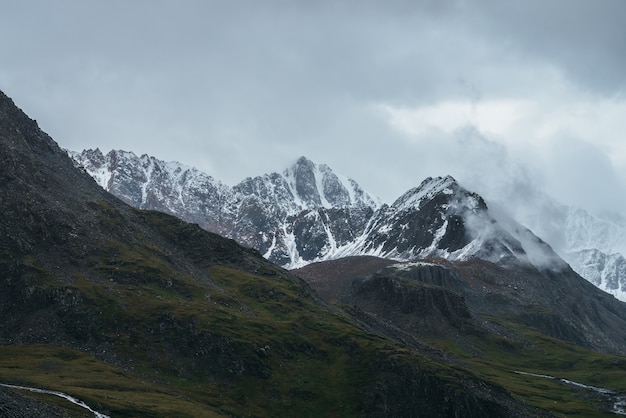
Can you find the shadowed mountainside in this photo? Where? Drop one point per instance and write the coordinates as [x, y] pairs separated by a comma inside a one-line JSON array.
[[141, 314]]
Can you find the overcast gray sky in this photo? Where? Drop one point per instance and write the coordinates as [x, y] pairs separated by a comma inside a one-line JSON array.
[[495, 93]]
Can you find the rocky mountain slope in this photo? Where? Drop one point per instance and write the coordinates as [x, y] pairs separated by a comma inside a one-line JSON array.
[[484, 313], [559, 303], [440, 218]]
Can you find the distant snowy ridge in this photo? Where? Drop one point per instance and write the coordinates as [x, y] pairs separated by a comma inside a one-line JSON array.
[[148, 183], [606, 271], [592, 245]]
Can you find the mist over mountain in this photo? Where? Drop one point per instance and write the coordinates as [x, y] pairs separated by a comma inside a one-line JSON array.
[[593, 245]]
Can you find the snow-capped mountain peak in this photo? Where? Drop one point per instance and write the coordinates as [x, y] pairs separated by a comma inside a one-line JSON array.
[[306, 185], [427, 190], [308, 213], [317, 186], [440, 218]]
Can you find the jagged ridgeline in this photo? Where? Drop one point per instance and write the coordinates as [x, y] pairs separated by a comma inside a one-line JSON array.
[[140, 314], [307, 213], [304, 213]]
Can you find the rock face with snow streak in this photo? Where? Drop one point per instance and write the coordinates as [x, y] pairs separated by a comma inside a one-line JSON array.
[[302, 214], [148, 183], [441, 219]]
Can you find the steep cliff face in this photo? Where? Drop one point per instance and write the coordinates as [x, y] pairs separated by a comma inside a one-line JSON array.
[[417, 297], [294, 217]]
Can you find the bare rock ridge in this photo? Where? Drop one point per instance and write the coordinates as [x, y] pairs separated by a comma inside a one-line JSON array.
[[293, 217], [308, 213]]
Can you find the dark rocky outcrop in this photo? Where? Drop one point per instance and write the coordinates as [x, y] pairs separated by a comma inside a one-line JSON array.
[[451, 298], [405, 382]]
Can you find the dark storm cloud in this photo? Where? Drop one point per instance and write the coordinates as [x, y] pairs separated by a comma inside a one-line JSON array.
[[265, 82], [580, 37]]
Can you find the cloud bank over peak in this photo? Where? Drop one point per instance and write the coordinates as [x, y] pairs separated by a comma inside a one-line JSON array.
[[494, 93]]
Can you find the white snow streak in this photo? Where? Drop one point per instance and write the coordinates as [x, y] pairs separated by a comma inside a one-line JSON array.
[[271, 249], [144, 187], [292, 249], [59, 394], [319, 184], [618, 399]]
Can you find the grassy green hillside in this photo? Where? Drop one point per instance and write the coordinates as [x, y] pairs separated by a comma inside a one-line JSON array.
[[516, 365]]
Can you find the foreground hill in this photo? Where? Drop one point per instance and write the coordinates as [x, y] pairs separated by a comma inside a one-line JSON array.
[[559, 304], [140, 314], [546, 336]]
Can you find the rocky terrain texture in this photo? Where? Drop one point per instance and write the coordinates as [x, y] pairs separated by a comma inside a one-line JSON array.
[[293, 217], [442, 296], [15, 405]]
